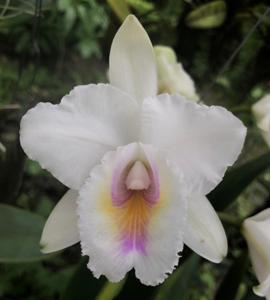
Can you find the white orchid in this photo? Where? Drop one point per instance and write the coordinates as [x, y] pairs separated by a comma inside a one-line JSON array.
[[257, 233], [138, 167], [261, 111], [172, 78]]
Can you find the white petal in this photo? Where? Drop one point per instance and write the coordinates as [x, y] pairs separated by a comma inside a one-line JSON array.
[[262, 216], [257, 233], [61, 230], [263, 289], [70, 138], [202, 141], [204, 232], [132, 60], [259, 261], [104, 226]]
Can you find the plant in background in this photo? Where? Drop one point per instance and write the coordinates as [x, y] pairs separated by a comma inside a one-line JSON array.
[[57, 23], [45, 48], [86, 22], [138, 167], [208, 15]]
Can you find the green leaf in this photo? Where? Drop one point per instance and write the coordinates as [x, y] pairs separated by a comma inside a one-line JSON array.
[[141, 6], [206, 16], [120, 8], [20, 232], [134, 290], [236, 180], [179, 282], [11, 171], [110, 290], [232, 280], [82, 284]]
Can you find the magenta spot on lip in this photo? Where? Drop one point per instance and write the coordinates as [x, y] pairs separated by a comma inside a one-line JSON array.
[[137, 243]]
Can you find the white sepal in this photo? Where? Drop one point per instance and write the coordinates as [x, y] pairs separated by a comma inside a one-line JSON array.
[[60, 230], [256, 230], [204, 232], [132, 61]]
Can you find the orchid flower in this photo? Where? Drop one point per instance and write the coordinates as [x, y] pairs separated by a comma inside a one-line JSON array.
[[256, 230], [172, 78], [138, 166]]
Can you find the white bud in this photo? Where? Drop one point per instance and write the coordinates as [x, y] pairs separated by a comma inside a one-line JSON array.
[[261, 112], [257, 233], [172, 78]]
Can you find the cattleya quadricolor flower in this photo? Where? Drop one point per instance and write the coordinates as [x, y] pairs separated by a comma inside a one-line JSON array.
[[256, 230], [261, 111], [172, 78], [138, 167]]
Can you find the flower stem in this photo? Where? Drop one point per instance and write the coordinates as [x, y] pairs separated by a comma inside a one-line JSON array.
[[228, 219], [240, 109]]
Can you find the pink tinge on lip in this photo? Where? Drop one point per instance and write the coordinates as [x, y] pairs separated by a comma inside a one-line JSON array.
[[134, 190], [130, 242], [152, 194]]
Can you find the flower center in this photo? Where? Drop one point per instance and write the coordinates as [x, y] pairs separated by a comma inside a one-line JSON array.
[[135, 190], [138, 178]]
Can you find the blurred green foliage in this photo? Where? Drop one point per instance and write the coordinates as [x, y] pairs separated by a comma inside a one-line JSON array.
[[49, 46]]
